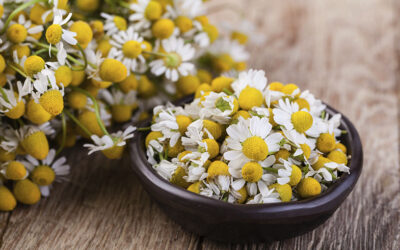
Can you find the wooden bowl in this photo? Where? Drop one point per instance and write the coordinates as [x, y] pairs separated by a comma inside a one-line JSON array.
[[222, 221]]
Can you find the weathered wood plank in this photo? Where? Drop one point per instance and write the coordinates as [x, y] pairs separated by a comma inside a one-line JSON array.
[[345, 51]]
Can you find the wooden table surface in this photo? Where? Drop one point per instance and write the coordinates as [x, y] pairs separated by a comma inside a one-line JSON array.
[[346, 52]]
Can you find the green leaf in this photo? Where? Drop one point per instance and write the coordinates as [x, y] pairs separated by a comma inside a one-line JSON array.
[[222, 105]]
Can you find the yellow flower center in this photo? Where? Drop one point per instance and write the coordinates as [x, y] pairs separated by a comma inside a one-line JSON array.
[[302, 121], [308, 187], [15, 171], [153, 135], [52, 101], [250, 97], [88, 119], [202, 88], [221, 83], [17, 33], [341, 147], [26, 192], [63, 76], [289, 88], [104, 47], [306, 150], [214, 128], [203, 20], [295, 176], [43, 175], [153, 11], [7, 200], [320, 162], [275, 86], [175, 150], [6, 156], [338, 157], [187, 85], [33, 65], [255, 148], [146, 88], [326, 143], [97, 28], [77, 100], [132, 49], [2, 63], [217, 168], [282, 154], [114, 153], [77, 77], [163, 28], [303, 104], [84, 33], [212, 147], [195, 187], [243, 195], [120, 23], [211, 31], [284, 191], [22, 50], [183, 154], [17, 111], [1, 10], [252, 172], [54, 34], [240, 66], [184, 23], [112, 70], [183, 122], [130, 83], [177, 177], [121, 112], [36, 145], [87, 5], [223, 62], [240, 37], [99, 84], [271, 117], [204, 76]]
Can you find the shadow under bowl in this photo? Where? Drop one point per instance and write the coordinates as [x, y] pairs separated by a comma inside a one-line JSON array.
[[222, 221]]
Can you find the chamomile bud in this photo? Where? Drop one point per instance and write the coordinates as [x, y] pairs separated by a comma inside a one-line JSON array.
[[243, 195], [114, 152], [177, 177], [153, 135], [36, 113], [121, 112], [6, 156], [250, 97], [252, 172], [195, 187], [204, 87], [130, 83], [326, 142], [163, 28], [146, 88], [15, 170], [217, 168], [83, 32], [33, 65], [2, 64], [21, 50], [76, 100], [288, 89], [275, 86], [78, 76], [214, 128], [284, 191], [212, 147], [338, 157], [26, 192], [187, 85], [175, 150], [241, 113], [97, 28], [54, 34], [320, 163], [7, 200], [282, 154], [63, 76], [212, 32], [87, 5], [36, 145], [153, 11], [221, 83], [104, 46], [184, 23], [183, 122], [43, 175], [17, 111], [113, 70], [89, 121], [308, 187], [100, 84], [52, 101], [17, 33], [295, 176]]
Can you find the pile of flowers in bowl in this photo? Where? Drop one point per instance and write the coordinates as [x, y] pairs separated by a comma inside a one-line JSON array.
[[73, 69], [242, 140]]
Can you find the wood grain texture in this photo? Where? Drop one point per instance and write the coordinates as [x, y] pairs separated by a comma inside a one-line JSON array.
[[347, 52]]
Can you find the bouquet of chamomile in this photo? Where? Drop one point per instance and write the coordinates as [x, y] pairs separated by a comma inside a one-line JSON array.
[[242, 140], [74, 69]]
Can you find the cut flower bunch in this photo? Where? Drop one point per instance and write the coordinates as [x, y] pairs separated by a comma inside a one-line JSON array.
[[74, 69], [242, 140]]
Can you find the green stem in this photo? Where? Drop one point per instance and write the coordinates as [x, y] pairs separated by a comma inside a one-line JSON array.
[[74, 119], [124, 4], [154, 53], [96, 109], [39, 51], [17, 69], [143, 129], [271, 170], [64, 133], [18, 10], [227, 91]]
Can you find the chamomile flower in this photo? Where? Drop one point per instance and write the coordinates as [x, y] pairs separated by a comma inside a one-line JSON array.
[[176, 62], [108, 142], [144, 13], [45, 172], [11, 103], [298, 122], [31, 32], [122, 104], [266, 195], [56, 35], [249, 88], [165, 169], [218, 107], [128, 47], [250, 140], [227, 54], [113, 23]]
